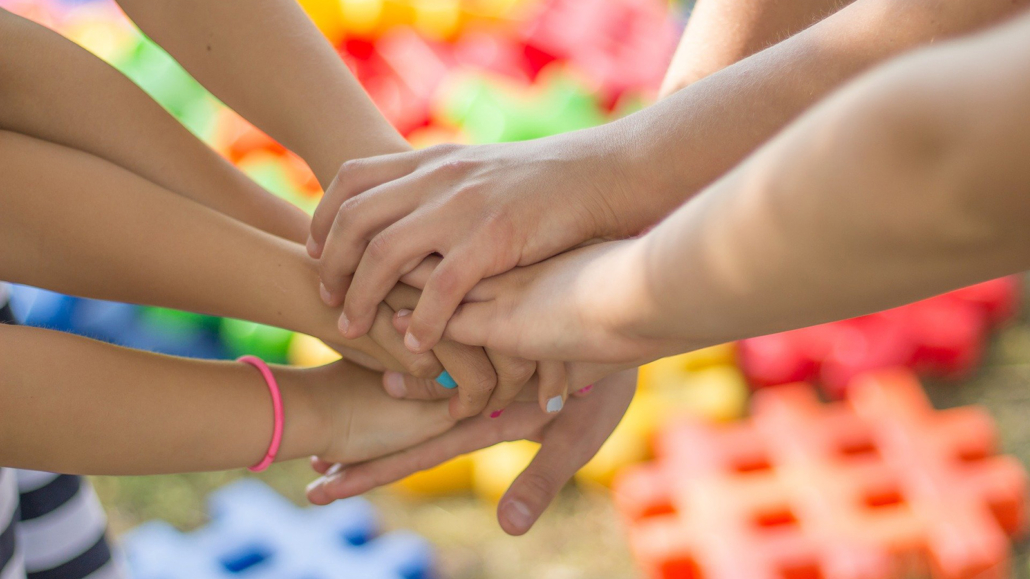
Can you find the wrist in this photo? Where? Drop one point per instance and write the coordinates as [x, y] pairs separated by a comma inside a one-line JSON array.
[[636, 183], [307, 406]]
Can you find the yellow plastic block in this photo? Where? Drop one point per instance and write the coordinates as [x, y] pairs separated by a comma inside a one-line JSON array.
[[438, 19], [306, 352], [717, 393], [496, 467], [327, 16], [450, 478], [672, 370], [361, 17]]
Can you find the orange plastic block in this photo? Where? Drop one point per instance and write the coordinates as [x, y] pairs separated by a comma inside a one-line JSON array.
[[878, 487]]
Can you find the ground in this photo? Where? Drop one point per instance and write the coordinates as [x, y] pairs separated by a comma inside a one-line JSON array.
[[580, 536]]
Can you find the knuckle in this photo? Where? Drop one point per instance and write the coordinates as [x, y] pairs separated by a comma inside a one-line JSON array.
[[379, 247], [539, 484], [349, 168], [424, 367], [448, 281], [520, 372]]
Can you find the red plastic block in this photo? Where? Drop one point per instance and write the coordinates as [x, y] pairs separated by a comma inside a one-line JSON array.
[[623, 45], [942, 336], [875, 488]]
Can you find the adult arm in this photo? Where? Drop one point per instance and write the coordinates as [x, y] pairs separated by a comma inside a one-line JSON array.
[[910, 182], [721, 32], [488, 209]]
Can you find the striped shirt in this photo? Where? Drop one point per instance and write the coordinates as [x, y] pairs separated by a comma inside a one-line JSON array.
[[52, 526]]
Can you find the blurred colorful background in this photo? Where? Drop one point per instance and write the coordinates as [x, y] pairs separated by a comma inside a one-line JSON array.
[[481, 71]]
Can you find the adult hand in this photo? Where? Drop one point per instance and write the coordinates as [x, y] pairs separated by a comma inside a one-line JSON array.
[[568, 440], [485, 209]]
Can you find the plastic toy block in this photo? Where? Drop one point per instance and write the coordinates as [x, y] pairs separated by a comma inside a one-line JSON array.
[[266, 342], [480, 50], [874, 488], [672, 370], [42, 308], [307, 352], [496, 109], [450, 478], [495, 468], [269, 171], [621, 45], [327, 16], [256, 534], [715, 393], [943, 336]]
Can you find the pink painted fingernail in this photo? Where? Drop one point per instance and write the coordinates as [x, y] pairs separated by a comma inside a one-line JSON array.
[[585, 389], [496, 413]]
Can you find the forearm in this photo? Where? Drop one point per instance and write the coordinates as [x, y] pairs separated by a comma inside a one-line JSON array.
[[79, 406], [267, 61], [678, 146], [58, 92], [906, 184], [721, 32], [76, 224]]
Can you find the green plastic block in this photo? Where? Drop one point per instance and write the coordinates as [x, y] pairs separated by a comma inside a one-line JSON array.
[[266, 342]]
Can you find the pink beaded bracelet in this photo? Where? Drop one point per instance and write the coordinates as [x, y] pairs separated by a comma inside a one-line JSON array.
[[277, 411]]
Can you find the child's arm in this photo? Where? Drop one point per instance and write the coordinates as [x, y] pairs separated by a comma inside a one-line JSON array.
[[489, 208], [74, 223], [722, 32], [79, 406], [910, 182], [56, 91], [267, 61]]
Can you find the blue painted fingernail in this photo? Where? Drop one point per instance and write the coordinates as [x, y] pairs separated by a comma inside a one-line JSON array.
[[445, 380]]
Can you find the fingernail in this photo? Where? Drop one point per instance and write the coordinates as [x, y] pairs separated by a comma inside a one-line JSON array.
[[496, 413], [412, 343], [445, 380], [403, 313], [333, 470], [344, 324], [585, 389], [315, 484], [393, 382], [555, 404], [322, 291], [312, 247], [518, 514]]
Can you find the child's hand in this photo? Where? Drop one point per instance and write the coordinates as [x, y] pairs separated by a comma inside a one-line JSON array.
[[364, 422], [568, 440], [486, 209]]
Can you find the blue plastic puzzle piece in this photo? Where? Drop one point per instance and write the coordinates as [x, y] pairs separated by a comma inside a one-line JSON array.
[[256, 534], [42, 308]]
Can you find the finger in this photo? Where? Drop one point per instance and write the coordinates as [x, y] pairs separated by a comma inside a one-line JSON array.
[[566, 447], [521, 420], [473, 324], [419, 365], [418, 277], [320, 466], [359, 221], [554, 385], [513, 374], [408, 387], [471, 369], [354, 177], [393, 252]]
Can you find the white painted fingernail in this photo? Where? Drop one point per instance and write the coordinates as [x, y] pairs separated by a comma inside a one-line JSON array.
[[555, 404]]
